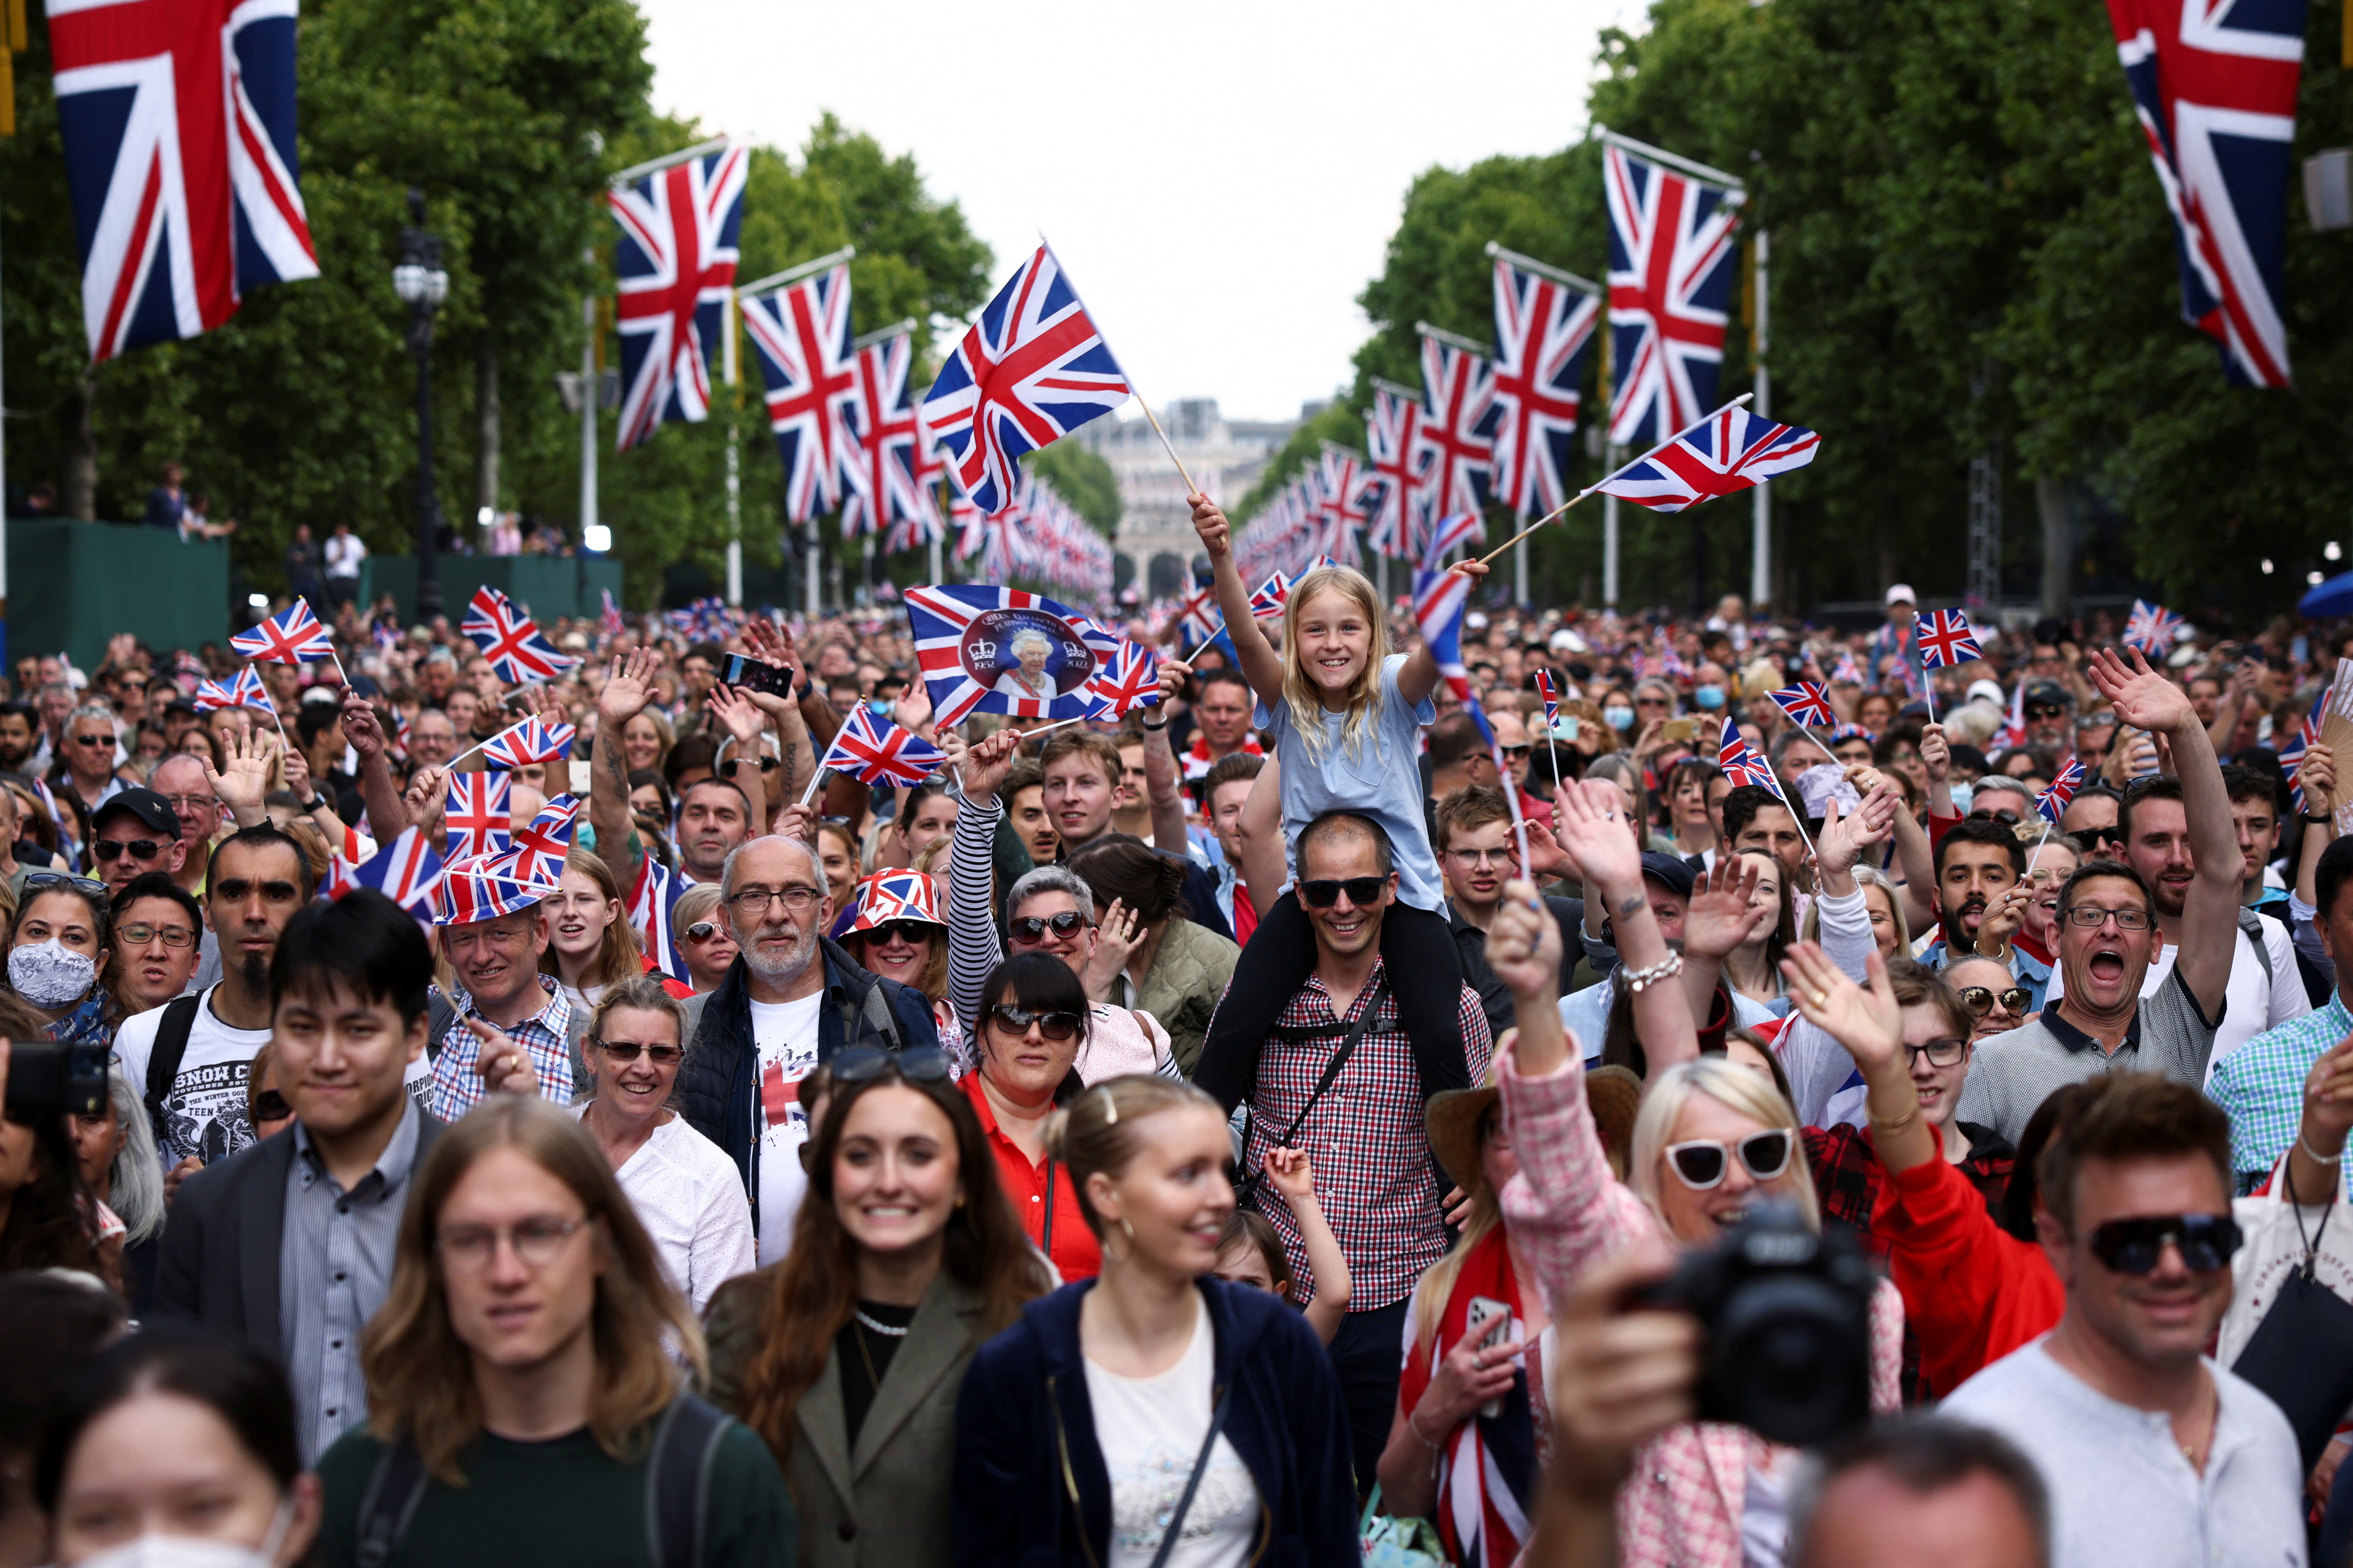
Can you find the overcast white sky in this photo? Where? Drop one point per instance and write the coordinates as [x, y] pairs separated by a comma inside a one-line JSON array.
[[1219, 178]]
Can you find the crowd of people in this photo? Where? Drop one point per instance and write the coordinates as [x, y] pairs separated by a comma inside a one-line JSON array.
[[1347, 1111]]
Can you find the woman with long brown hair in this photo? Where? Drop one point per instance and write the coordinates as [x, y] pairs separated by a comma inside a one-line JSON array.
[[521, 1397], [847, 1356], [591, 946]]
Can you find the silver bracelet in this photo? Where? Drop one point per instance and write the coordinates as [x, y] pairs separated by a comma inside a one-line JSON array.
[[2310, 1153], [1641, 979]]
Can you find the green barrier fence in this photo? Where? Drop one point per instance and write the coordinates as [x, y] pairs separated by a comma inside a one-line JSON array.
[[549, 587], [71, 586]]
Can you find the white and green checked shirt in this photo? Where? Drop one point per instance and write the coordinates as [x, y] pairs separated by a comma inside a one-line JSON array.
[[2261, 1085]]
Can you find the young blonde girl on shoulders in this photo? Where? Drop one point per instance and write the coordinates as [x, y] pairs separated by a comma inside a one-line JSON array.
[[1344, 714]]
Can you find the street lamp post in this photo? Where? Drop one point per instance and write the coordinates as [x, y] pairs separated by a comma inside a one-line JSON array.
[[422, 285]]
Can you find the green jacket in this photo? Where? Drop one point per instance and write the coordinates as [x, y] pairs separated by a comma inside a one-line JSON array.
[[1189, 975], [885, 1503]]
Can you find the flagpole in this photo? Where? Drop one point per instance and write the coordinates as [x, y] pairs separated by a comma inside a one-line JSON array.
[[1190, 487], [1504, 781], [1614, 473], [816, 779], [729, 316]]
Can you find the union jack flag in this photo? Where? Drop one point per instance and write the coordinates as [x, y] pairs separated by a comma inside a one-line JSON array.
[[1740, 765], [1847, 673], [2013, 728], [1393, 440], [1268, 599], [243, 689], [1551, 694], [613, 625], [801, 336], [518, 650], [2152, 628], [955, 622], [1438, 601], [1945, 639], [405, 870], [1030, 370], [2213, 84], [1458, 428], [482, 888], [1130, 680], [292, 637], [2307, 735], [706, 617], [1807, 702], [477, 814], [1350, 491], [528, 741], [1728, 451], [537, 852], [676, 260], [876, 752], [889, 435], [1543, 328], [1455, 528], [2052, 802], [178, 123], [1671, 264], [1199, 615], [889, 896]]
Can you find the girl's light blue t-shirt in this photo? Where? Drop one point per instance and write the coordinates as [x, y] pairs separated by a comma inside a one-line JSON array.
[[1383, 783]]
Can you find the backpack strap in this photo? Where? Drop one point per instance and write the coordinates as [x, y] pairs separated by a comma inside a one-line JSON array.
[[394, 1489], [880, 1017], [2253, 925], [439, 1016], [678, 1481], [171, 1047]]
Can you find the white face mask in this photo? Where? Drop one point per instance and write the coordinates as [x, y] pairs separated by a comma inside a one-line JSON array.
[[50, 973], [194, 1551]]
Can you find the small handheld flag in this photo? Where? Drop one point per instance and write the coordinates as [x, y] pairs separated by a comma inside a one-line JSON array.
[[1551, 694], [477, 814], [405, 870], [876, 752], [243, 689], [1806, 702], [292, 637], [1945, 639], [518, 650], [540, 846], [1740, 765], [527, 742], [2053, 801], [1130, 680], [2307, 735], [1728, 452], [2152, 628], [1269, 598]]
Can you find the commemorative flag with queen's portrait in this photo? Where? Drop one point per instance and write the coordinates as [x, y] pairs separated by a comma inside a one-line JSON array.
[[986, 649]]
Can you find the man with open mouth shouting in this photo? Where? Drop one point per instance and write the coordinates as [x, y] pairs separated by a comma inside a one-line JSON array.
[[2108, 935]]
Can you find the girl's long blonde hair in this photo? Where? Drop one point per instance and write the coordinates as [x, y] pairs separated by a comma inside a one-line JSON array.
[[1363, 700]]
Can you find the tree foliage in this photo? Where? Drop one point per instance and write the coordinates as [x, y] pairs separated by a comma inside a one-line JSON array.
[[1970, 252]]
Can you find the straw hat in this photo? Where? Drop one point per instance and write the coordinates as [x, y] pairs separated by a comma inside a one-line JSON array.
[[1453, 1117], [1615, 1094]]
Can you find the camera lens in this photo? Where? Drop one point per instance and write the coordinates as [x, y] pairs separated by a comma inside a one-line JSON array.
[[1790, 1360]]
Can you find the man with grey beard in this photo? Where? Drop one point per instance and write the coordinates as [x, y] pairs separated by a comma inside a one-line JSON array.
[[790, 1002]]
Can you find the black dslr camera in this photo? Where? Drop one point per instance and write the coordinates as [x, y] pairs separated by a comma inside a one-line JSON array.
[[46, 1079], [1788, 1318]]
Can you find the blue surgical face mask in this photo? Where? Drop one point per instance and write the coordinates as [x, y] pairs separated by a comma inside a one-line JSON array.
[[1619, 717], [1708, 697], [1962, 793]]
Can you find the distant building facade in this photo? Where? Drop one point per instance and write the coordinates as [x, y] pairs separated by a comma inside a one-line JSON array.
[[1224, 456]]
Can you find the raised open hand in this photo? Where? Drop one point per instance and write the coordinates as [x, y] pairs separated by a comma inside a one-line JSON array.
[[743, 717], [244, 779], [1867, 1022], [628, 687], [2141, 697], [1594, 833], [1718, 917]]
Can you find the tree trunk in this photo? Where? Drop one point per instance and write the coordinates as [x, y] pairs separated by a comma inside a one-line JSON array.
[[486, 408], [2058, 510], [80, 455]]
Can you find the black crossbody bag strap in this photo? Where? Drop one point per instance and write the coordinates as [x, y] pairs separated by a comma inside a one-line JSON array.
[[1331, 1076], [1193, 1482]]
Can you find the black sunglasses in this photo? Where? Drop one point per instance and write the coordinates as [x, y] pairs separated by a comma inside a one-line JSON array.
[[2133, 1246], [904, 931], [862, 1064], [2037, 711], [270, 1106], [1978, 1000], [627, 1051], [1052, 1026], [140, 848], [1030, 930], [1517, 753], [1363, 892]]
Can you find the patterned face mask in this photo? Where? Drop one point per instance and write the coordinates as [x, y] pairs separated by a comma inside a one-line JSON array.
[[50, 973]]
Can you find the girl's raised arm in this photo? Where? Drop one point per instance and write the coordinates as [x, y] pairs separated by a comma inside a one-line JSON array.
[[1261, 666]]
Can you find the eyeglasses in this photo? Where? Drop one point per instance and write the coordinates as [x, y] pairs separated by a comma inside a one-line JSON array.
[[1940, 1053], [1052, 1026], [1980, 1001], [1030, 930], [113, 848], [627, 1051], [1363, 892], [901, 931], [191, 801], [2133, 1246], [2091, 917], [140, 935], [1652, 702], [62, 880], [701, 930], [863, 1064], [1501, 855], [1703, 1162], [236, 890], [752, 903], [270, 1106], [2039, 711], [537, 1242], [727, 768]]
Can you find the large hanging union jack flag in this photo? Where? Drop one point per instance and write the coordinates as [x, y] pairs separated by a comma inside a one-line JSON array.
[[1030, 370], [1393, 440], [1730, 451], [1458, 427], [178, 122], [1671, 264], [800, 336], [518, 650], [1543, 328], [676, 259], [2213, 85], [887, 438], [1350, 491], [1001, 651]]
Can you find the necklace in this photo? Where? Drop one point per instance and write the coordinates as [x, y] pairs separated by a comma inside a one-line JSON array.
[[2189, 1451], [887, 1330]]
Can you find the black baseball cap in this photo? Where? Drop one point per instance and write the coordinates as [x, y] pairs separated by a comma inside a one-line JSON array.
[[149, 808], [1669, 869]]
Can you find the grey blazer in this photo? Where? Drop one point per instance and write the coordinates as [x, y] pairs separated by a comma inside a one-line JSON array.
[[885, 1503]]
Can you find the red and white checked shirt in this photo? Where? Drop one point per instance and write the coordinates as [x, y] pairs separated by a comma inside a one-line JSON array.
[[1366, 1139]]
